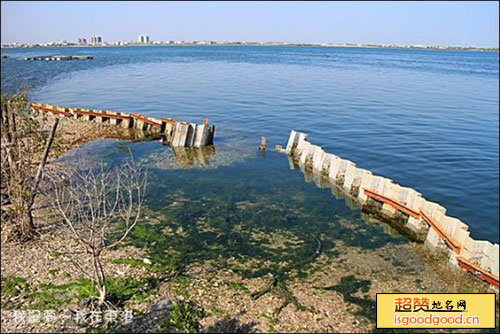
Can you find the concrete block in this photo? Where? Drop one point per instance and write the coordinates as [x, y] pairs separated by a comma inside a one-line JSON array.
[[388, 209], [461, 236], [334, 168], [343, 167], [416, 225], [211, 135], [451, 224], [293, 140], [201, 135], [350, 174], [306, 154], [126, 123], [485, 254], [326, 162], [169, 128], [301, 143], [191, 134], [379, 183], [364, 183], [433, 240], [317, 158], [434, 210], [412, 199], [180, 134]]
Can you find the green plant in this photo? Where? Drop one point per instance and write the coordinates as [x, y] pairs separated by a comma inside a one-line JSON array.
[[237, 286], [184, 318], [13, 286]]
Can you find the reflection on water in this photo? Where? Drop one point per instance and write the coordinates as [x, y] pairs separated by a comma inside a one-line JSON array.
[[321, 181], [192, 156]]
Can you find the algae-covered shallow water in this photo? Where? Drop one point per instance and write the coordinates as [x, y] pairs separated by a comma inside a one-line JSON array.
[[236, 221]]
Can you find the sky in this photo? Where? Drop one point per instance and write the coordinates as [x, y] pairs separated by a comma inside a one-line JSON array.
[[404, 23]]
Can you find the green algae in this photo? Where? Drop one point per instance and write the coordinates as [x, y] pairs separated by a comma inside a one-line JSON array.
[[55, 296]]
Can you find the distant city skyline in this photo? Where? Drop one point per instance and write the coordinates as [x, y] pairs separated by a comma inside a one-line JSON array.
[[386, 23]]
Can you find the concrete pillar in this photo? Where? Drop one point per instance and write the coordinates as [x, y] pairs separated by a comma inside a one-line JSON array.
[[433, 240], [327, 159], [169, 127], [301, 142], [292, 142], [180, 134], [190, 137], [364, 183], [126, 123], [334, 169], [416, 225], [359, 175], [211, 135], [434, 210], [201, 135], [410, 198], [343, 167], [485, 255], [350, 174], [306, 153], [379, 184], [139, 124], [318, 157], [390, 191], [452, 226]]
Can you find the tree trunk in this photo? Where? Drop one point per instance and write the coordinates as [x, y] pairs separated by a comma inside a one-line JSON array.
[[99, 277]]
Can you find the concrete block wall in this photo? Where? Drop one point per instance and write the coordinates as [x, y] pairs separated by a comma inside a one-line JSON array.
[[482, 253]]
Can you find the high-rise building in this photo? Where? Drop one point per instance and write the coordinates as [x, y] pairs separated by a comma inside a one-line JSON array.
[[143, 39], [95, 40], [81, 40]]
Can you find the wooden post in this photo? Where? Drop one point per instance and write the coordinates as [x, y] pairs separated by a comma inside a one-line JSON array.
[[262, 146]]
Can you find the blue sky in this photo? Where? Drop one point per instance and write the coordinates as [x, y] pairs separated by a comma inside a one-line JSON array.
[[427, 23]]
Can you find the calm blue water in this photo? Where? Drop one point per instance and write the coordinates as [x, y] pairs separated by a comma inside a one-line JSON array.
[[426, 119]]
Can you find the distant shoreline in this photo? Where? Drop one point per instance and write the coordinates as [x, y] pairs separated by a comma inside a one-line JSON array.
[[369, 46]]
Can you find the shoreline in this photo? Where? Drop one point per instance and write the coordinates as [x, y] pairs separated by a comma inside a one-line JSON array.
[[362, 46]]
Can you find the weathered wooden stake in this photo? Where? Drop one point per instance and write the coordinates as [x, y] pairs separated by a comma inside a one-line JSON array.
[[262, 146]]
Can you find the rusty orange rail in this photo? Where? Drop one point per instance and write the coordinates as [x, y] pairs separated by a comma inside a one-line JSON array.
[[66, 113], [478, 271], [145, 120], [80, 112], [395, 204], [449, 240], [99, 114]]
